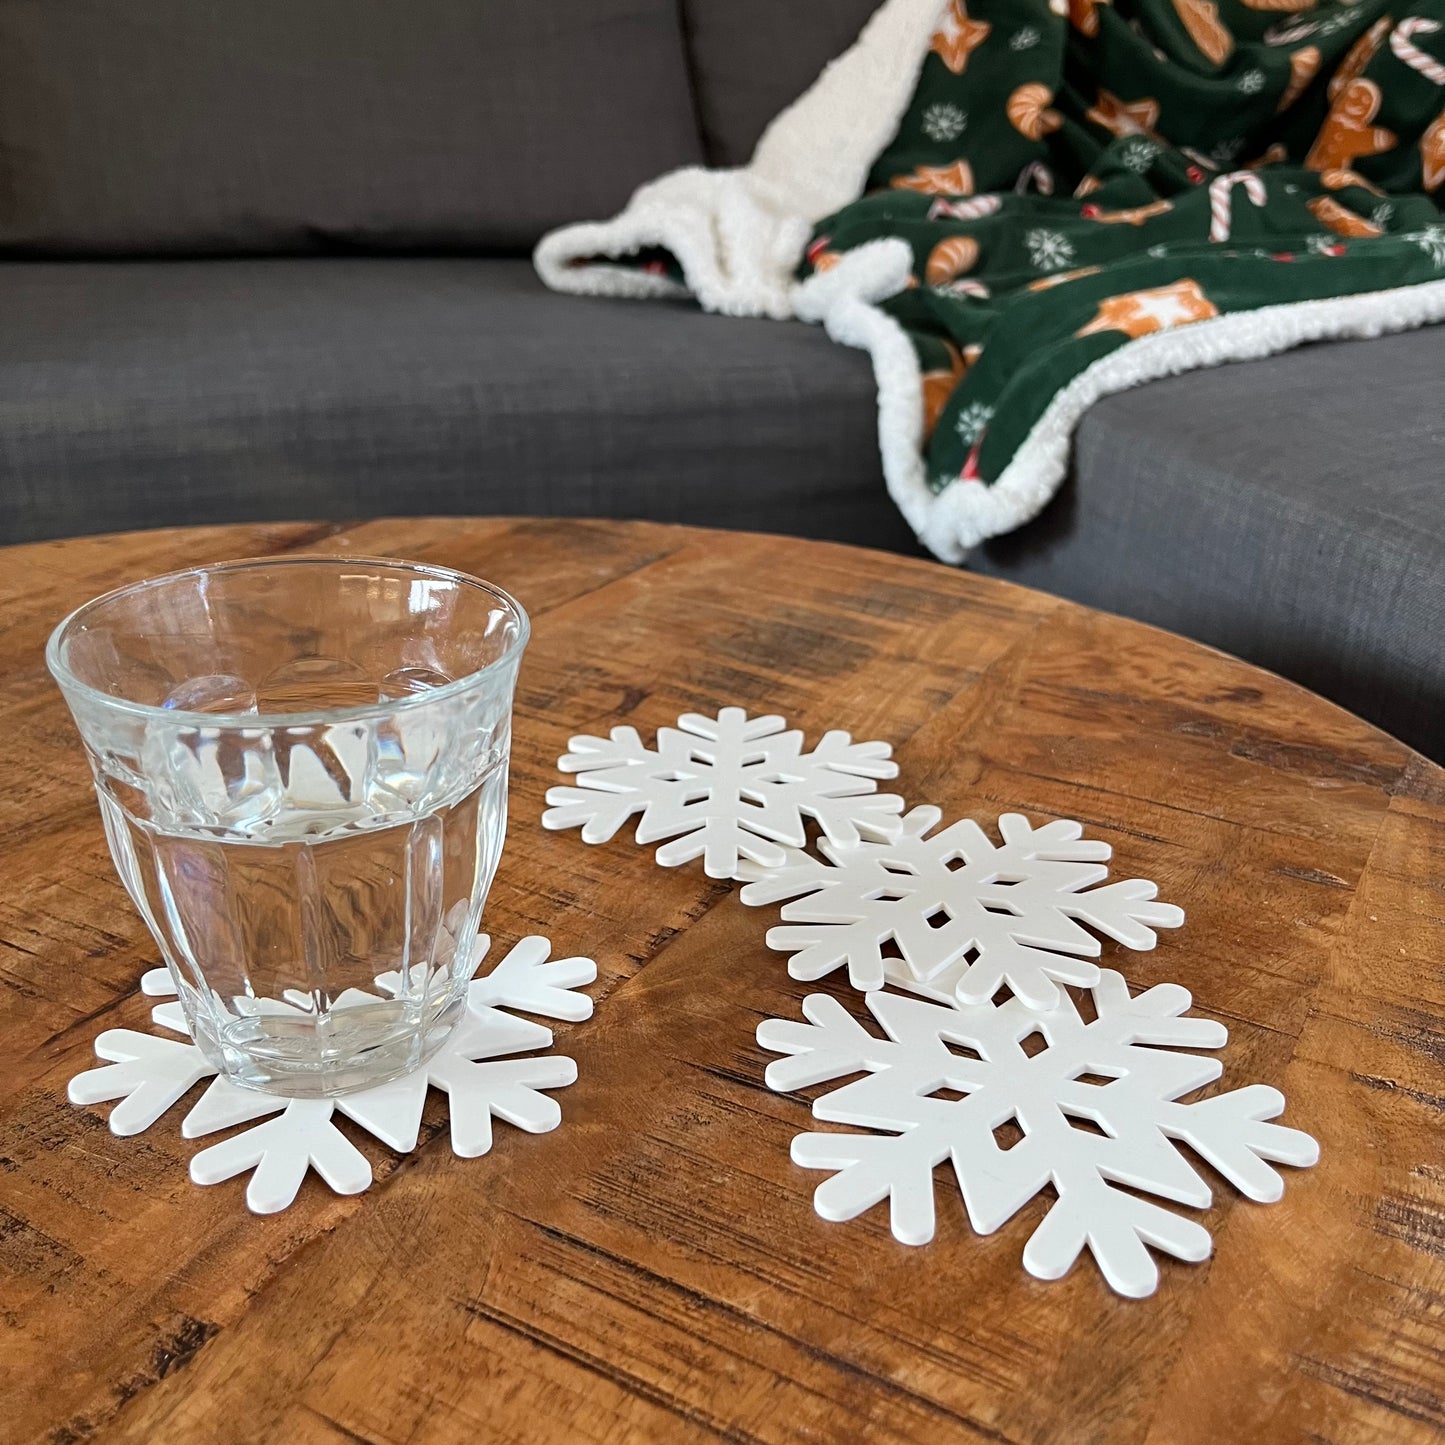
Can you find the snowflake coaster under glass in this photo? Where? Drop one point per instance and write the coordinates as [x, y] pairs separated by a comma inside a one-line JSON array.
[[1096, 1104], [725, 788], [149, 1073], [963, 916]]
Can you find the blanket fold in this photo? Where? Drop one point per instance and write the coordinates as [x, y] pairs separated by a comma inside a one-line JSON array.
[[1019, 206]]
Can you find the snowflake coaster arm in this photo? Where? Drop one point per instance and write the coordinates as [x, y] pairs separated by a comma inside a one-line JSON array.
[[476, 1066], [725, 789], [1083, 1137], [148, 1074], [526, 980], [509, 1089], [281, 1151], [965, 915], [616, 765]]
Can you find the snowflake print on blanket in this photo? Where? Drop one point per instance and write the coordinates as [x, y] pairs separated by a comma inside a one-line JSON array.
[[1024, 38], [724, 789], [1431, 241], [1049, 250], [1137, 154], [973, 421], [963, 915], [1097, 1105], [475, 1067], [944, 122], [1250, 82]]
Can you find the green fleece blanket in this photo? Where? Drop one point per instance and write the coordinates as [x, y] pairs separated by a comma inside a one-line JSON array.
[[1067, 184], [1028, 204]]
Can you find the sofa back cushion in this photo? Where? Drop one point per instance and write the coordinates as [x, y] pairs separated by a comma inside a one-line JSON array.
[[196, 126], [750, 58]]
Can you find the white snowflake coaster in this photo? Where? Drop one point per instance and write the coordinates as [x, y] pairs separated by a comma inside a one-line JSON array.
[[964, 916], [475, 1067], [725, 788], [1097, 1106]]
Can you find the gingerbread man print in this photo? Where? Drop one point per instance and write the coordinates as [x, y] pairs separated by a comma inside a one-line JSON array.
[[1347, 132], [1338, 180], [1362, 52]]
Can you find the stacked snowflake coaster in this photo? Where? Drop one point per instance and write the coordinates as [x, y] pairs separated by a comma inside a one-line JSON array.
[[994, 1069], [475, 1068], [724, 789], [965, 916]]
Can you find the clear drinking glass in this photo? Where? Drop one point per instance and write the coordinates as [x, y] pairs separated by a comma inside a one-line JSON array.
[[302, 769]]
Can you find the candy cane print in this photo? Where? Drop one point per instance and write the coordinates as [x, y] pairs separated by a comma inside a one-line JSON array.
[[1286, 32], [1411, 54], [974, 208], [1036, 174], [1221, 197]]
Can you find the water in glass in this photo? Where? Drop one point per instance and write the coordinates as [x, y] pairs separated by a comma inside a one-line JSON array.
[[309, 832]]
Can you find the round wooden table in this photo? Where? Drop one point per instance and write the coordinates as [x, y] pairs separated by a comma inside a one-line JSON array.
[[654, 1270]]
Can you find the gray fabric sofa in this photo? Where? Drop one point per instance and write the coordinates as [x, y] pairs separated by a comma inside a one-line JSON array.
[[268, 261]]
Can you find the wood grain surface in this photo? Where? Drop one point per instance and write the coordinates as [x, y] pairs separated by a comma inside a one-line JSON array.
[[653, 1270]]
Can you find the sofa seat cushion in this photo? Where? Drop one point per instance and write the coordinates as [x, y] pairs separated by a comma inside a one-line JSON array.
[[147, 126], [1291, 511], [138, 394]]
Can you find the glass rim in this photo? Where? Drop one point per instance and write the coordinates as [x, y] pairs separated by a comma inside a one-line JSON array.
[[369, 711]]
